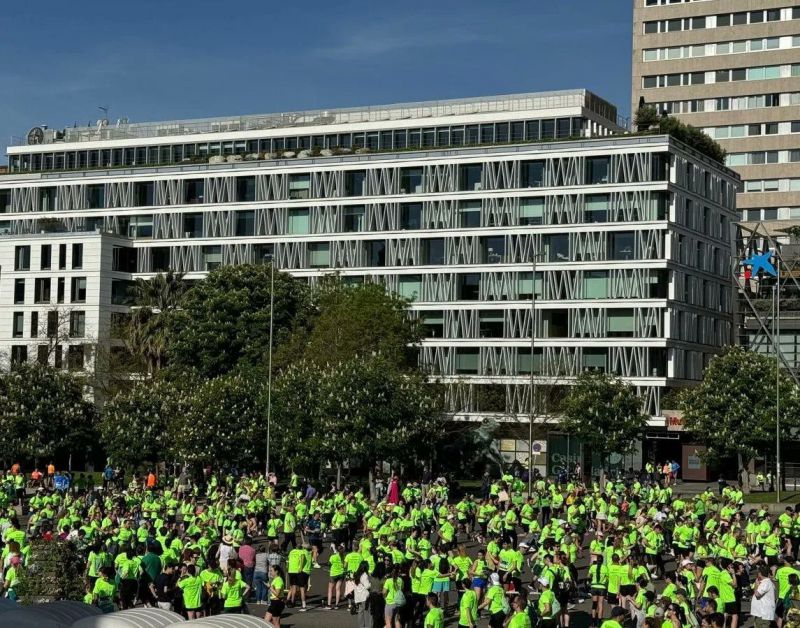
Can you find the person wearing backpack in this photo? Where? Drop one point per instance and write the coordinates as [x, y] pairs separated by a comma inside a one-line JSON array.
[[547, 606], [394, 598], [496, 601]]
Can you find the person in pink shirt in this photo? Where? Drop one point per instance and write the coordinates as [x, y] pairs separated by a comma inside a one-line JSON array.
[[247, 554]]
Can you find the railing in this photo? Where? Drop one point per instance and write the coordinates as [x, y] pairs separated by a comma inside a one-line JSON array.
[[406, 111]]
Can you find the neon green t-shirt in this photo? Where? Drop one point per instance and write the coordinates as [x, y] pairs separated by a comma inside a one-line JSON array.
[[434, 618], [233, 593], [191, 586], [468, 608]]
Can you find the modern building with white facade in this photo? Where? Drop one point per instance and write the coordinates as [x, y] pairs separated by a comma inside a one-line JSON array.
[[452, 204]]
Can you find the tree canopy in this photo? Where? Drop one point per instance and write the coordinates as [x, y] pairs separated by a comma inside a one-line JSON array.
[[223, 321], [733, 410], [43, 412], [604, 412]]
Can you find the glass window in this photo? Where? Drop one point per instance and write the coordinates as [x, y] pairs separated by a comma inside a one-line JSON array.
[[620, 323], [41, 290], [245, 189], [96, 196], [298, 221], [739, 74], [22, 258], [411, 181], [531, 211], [411, 216], [469, 213], [5, 201], [77, 324], [548, 129], [433, 324], [755, 74], [738, 19], [19, 354], [724, 20], [19, 291], [756, 17], [650, 27], [354, 182], [193, 225], [18, 325], [594, 359], [532, 174], [319, 254], [722, 76], [299, 186], [245, 223], [140, 227], [353, 218], [469, 286], [433, 251], [78, 290], [492, 324], [595, 284], [469, 177], [143, 193], [772, 72], [596, 208], [34, 324], [75, 357], [212, 256], [558, 247], [698, 23], [376, 252], [194, 190], [524, 286], [467, 360], [597, 170], [45, 258], [60, 290], [410, 287], [622, 245], [494, 249]]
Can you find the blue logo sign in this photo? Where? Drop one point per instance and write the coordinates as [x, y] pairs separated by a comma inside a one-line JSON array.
[[757, 263]]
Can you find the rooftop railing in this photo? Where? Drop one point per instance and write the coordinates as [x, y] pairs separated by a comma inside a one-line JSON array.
[[104, 130]]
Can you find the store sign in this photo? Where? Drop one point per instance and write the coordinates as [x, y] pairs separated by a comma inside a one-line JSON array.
[[673, 420]]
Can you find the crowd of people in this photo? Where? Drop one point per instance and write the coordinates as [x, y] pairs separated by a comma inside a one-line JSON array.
[[637, 549]]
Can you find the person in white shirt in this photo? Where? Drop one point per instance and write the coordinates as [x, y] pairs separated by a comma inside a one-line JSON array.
[[762, 606]]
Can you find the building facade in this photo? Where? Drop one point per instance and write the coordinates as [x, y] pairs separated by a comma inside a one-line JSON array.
[[513, 205], [732, 69]]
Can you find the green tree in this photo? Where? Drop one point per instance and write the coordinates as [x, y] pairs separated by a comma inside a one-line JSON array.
[[732, 411], [356, 320], [55, 572], [146, 334], [43, 413], [133, 424], [223, 321], [218, 420], [605, 413], [362, 410]]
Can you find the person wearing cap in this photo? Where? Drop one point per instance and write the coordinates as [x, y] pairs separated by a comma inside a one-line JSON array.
[[495, 601], [546, 605]]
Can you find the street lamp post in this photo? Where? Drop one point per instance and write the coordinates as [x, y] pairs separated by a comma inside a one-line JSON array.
[[532, 402], [777, 334], [269, 366]]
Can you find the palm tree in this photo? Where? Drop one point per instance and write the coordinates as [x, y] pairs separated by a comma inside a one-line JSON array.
[[146, 332]]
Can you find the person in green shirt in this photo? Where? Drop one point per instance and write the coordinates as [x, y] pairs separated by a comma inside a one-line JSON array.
[[234, 592], [191, 585], [495, 601], [391, 587], [276, 603], [546, 605], [337, 563], [598, 585], [295, 569], [618, 616], [519, 616], [104, 592], [435, 616], [468, 607]]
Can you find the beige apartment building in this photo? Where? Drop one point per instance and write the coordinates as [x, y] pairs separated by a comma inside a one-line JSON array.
[[732, 68]]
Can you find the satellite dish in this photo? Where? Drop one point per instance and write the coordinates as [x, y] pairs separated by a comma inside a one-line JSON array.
[[36, 135]]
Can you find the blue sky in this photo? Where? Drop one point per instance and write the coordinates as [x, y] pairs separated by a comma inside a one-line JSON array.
[[163, 59]]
